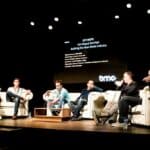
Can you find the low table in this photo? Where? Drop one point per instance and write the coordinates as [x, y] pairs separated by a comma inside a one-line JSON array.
[[40, 114]]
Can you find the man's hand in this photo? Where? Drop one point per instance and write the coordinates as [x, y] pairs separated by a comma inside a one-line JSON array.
[[119, 83], [146, 79], [47, 93], [55, 100], [28, 92], [52, 102]]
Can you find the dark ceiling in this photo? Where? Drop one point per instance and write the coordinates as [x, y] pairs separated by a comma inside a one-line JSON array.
[[37, 46]]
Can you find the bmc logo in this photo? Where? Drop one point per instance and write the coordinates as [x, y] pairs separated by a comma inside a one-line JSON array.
[[107, 78]]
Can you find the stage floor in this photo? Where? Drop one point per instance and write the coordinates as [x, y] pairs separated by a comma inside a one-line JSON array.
[[82, 125], [28, 133]]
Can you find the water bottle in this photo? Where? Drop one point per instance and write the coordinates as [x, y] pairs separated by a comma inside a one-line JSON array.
[[125, 124], [29, 116]]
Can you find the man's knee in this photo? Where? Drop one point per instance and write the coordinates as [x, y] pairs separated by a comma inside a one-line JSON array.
[[124, 98]]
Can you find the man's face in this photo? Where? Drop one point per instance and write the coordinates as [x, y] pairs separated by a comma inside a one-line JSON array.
[[16, 83], [90, 84], [58, 86], [126, 78]]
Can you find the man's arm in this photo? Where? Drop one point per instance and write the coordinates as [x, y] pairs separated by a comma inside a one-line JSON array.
[[46, 95], [131, 89], [98, 89], [146, 79]]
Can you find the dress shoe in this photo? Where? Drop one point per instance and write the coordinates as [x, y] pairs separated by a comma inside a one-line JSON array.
[[14, 117]]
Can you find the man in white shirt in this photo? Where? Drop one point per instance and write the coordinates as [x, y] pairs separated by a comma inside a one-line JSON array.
[[16, 94]]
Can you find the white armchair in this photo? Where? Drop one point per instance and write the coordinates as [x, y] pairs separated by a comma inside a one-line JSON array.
[[109, 95], [7, 108], [141, 113], [87, 111]]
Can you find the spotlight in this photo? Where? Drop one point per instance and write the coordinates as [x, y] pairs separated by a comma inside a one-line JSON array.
[[32, 23], [116, 16], [67, 42], [80, 22], [129, 5], [56, 19], [148, 11], [50, 27]]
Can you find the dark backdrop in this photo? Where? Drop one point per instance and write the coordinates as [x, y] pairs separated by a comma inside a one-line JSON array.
[[34, 53]]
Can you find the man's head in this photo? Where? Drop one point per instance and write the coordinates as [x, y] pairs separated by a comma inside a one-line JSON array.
[[58, 84], [90, 84], [128, 77], [16, 82]]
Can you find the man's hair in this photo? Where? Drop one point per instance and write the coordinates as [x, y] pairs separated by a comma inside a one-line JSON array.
[[58, 81], [16, 79], [129, 73]]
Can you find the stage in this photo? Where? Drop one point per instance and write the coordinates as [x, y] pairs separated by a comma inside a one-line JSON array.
[[27, 133], [82, 126]]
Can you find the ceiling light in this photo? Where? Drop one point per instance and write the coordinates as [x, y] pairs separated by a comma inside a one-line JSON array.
[[56, 19], [50, 27], [116, 16], [80, 22], [32, 23], [129, 5], [148, 11]]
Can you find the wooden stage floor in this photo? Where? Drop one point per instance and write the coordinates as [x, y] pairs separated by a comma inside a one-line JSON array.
[[82, 125], [28, 133]]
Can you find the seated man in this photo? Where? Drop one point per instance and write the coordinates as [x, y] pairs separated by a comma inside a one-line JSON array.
[[129, 97], [17, 94], [81, 101], [56, 98]]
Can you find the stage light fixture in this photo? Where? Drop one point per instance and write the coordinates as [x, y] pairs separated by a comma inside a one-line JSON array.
[[116, 16], [56, 19], [129, 5], [80, 22], [67, 42], [148, 11], [50, 27], [32, 23]]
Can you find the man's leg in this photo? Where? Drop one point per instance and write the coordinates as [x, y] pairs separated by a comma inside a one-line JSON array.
[[10, 96], [124, 104], [13, 98], [72, 105], [61, 103], [79, 107], [17, 102]]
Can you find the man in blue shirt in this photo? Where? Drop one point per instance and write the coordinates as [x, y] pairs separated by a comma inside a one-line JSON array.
[[56, 98], [81, 101]]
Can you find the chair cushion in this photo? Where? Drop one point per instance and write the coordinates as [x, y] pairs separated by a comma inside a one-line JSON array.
[[138, 109]]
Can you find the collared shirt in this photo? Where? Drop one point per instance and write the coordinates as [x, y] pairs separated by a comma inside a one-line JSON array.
[[18, 92], [61, 95], [21, 92]]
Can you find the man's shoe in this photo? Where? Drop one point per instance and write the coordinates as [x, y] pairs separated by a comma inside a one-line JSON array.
[[14, 117], [117, 124], [75, 118]]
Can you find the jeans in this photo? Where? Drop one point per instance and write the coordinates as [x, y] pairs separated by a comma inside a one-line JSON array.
[[124, 104], [14, 98], [58, 105], [76, 106]]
